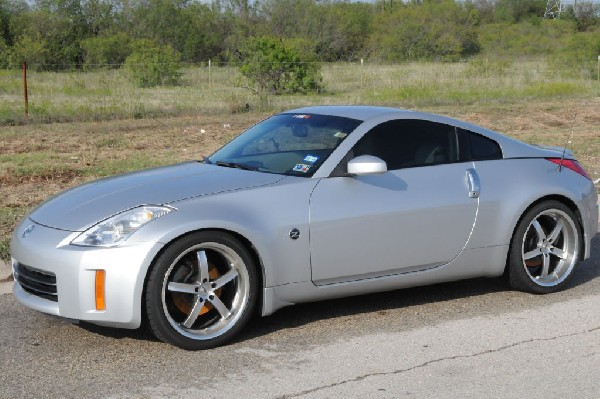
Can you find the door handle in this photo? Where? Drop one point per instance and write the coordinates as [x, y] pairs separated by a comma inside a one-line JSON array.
[[473, 181]]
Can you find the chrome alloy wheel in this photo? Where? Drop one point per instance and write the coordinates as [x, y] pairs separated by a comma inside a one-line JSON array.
[[205, 291], [550, 247]]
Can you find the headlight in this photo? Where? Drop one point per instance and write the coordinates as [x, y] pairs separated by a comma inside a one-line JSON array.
[[118, 228]]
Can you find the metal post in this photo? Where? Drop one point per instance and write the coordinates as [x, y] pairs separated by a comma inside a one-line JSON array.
[[25, 89], [209, 80], [599, 67]]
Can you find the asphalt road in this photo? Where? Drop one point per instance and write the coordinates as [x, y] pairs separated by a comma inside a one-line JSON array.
[[468, 339]]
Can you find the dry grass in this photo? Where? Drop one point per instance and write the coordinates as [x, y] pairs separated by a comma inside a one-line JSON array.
[[37, 161]]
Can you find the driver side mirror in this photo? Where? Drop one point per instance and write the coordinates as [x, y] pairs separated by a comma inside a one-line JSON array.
[[366, 165]]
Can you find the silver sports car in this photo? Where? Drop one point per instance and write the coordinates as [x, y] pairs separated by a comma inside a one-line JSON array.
[[309, 204]]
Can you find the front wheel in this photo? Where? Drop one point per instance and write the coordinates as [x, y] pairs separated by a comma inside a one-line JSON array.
[[201, 291], [544, 249]]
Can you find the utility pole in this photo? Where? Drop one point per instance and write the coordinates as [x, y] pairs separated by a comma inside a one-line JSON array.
[[553, 9]]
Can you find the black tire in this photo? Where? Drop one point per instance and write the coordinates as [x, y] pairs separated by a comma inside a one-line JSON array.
[[544, 249], [201, 291]]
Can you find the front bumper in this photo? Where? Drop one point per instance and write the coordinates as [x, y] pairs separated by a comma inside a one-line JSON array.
[[48, 251]]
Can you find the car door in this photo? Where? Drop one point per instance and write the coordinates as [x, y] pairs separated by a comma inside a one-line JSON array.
[[417, 215]]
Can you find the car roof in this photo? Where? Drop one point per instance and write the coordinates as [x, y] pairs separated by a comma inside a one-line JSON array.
[[367, 112], [511, 147], [360, 112]]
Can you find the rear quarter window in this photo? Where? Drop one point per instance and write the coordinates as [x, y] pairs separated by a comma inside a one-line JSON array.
[[481, 148]]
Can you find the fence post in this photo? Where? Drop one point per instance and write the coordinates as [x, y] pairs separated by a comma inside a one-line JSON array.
[[361, 72], [209, 79], [25, 89]]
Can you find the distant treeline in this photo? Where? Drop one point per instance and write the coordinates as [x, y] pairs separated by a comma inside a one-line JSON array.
[[68, 34]]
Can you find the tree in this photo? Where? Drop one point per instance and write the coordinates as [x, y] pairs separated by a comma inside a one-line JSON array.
[[33, 50], [344, 31], [338, 30], [586, 14], [204, 36], [485, 8], [4, 22], [56, 33], [4, 53], [100, 16], [519, 10], [274, 68], [241, 19], [432, 30]]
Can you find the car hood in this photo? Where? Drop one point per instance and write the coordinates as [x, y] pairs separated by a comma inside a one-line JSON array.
[[84, 206]]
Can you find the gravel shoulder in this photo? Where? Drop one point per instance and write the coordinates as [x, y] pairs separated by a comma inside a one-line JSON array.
[[5, 278]]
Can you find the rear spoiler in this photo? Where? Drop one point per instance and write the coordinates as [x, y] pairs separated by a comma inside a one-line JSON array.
[[559, 150]]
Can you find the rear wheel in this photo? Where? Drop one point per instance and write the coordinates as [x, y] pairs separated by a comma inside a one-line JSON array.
[[544, 249], [201, 291]]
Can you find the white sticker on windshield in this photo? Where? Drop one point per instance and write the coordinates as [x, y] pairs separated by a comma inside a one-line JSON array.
[[301, 116], [340, 135], [311, 158], [301, 168]]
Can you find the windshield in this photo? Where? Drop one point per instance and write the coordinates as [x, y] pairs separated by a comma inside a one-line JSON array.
[[291, 144]]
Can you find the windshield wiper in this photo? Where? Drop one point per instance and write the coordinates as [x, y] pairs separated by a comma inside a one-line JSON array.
[[236, 165]]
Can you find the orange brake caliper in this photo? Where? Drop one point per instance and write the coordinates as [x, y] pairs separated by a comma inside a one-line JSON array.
[[213, 273], [185, 305]]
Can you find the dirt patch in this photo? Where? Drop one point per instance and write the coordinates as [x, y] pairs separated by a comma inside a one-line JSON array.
[[61, 175]]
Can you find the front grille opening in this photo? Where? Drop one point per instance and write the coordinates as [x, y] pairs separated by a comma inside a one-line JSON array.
[[36, 282]]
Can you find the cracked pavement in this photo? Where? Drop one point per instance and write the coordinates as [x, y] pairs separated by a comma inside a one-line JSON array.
[[334, 387], [467, 339]]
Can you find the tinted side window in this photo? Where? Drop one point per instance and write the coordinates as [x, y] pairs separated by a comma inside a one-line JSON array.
[[409, 143], [482, 148]]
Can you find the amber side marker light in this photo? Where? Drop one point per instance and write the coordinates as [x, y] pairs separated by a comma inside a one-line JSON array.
[[100, 277]]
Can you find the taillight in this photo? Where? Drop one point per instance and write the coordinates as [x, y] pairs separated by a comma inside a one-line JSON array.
[[571, 164]]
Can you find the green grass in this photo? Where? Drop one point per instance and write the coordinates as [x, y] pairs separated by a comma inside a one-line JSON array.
[[109, 94]]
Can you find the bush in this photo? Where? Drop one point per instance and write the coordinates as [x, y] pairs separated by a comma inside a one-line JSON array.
[[579, 55], [110, 51], [151, 64], [533, 37], [4, 52], [274, 68]]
